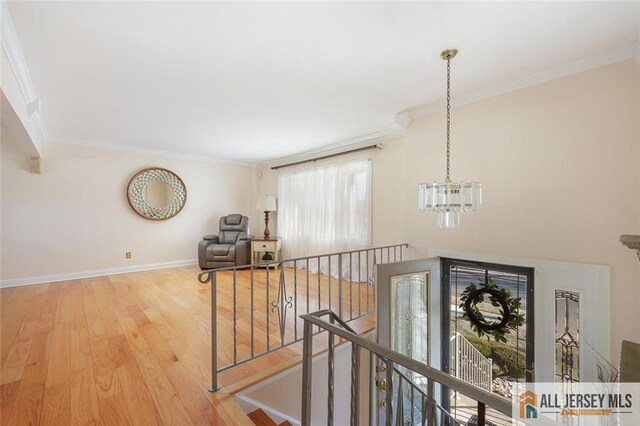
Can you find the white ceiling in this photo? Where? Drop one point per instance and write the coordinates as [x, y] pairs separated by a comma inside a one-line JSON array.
[[257, 81]]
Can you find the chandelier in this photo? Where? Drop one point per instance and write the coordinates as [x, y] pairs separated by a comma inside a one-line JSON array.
[[448, 198]]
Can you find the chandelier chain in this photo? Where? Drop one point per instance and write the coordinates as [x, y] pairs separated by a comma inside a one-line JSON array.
[[448, 119], [446, 198]]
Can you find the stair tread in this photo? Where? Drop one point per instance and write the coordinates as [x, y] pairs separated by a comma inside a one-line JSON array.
[[260, 418]]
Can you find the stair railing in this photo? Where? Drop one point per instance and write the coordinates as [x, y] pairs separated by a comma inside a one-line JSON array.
[[395, 368], [301, 285], [469, 363]]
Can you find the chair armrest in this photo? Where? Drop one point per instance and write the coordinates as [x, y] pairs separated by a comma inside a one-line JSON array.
[[202, 251], [211, 237], [243, 250], [246, 238]]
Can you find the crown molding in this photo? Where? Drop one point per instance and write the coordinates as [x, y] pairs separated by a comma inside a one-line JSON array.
[[338, 147], [622, 53], [18, 64], [147, 151]]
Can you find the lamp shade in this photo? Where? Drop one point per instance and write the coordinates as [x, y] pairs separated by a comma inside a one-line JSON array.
[[266, 203]]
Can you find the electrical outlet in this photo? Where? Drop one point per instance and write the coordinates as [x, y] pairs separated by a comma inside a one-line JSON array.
[[127, 255]]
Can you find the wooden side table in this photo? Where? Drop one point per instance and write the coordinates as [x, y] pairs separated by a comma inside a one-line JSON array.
[[265, 247]]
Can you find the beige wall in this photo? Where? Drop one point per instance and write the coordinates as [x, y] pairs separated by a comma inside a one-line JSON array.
[[388, 204], [75, 216], [559, 166]]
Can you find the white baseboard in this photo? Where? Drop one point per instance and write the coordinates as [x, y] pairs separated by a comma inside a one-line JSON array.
[[15, 282]]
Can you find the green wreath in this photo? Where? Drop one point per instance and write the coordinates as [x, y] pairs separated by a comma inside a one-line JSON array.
[[508, 308]]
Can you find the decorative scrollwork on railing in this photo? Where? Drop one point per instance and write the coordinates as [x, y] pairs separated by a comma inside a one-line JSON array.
[[205, 277], [282, 303]]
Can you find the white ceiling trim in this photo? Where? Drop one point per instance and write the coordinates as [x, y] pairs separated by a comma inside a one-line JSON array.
[[623, 53], [148, 151], [13, 49], [338, 147]]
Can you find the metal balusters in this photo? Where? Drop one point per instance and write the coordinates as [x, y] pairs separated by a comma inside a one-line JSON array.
[[431, 407], [267, 303], [285, 303], [319, 292], [469, 364], [308, 310], [359, 284], [329, 279], [400, 404], [295, 300], [411, 395], [214, 332], [372, 377], [394, 404], [355, 385], [350, 286], [367, 278], [235, 318], [252, 320], [490, 374], [482, 413], [340, 286], [282, 302], [307, 372], [330, 371], [373, 269], [319, 295]]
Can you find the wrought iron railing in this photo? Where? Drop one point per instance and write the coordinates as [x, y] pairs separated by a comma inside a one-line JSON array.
[[408, 385], [258, 300], [413, 404], [469, 364]]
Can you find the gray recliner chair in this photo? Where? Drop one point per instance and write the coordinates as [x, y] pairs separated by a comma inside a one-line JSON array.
[[231, 247]]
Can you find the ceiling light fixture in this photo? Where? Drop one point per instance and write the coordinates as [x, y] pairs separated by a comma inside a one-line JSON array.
[[448, 198]]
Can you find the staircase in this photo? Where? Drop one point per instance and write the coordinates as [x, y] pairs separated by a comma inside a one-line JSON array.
[[260, 418]]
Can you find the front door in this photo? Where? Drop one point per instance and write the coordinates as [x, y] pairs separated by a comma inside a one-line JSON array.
[[407, 318], [495, 366]]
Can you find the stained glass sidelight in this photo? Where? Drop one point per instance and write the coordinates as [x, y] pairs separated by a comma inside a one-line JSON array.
[[409, 305], [567, 336]]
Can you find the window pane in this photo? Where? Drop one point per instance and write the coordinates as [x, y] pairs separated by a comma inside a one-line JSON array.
[[567, 336]]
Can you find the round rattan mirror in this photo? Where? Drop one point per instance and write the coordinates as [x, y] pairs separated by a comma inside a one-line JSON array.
[[156, 193]]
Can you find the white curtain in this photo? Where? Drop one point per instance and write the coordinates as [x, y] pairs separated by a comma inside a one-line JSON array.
[[325, 209]]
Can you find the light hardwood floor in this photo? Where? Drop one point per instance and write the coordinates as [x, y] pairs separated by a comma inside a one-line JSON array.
[[135, 348]]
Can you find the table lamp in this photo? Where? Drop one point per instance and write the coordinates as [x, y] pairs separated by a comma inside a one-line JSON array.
[[266, 203]]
